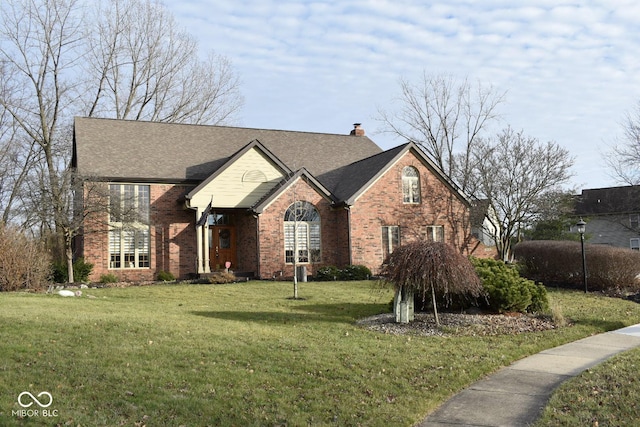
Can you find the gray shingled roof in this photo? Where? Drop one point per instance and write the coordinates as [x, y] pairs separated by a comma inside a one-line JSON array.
[[150, 151], [120, 150], [611, 200], [347, 181]]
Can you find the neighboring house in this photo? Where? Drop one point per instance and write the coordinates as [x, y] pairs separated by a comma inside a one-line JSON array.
[[612, 215], [207, 197], [483, 229]]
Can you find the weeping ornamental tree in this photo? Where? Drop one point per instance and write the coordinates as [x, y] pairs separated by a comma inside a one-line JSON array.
[[431, 270]]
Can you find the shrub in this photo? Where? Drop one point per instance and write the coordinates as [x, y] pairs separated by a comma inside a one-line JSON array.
[[166, 276], [355, 272], [81, 271], [507, 291], [222, 277], [328, 273], [59, 272], [560, 263], [24, 263], [350, 272], [109, 278]]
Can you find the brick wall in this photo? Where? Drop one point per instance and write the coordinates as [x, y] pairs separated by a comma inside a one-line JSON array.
[[382, 205], [246, 232], [173, 242], [172, 238], [271, 226]]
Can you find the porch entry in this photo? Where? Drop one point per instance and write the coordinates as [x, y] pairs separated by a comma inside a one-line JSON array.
[[222, 241]]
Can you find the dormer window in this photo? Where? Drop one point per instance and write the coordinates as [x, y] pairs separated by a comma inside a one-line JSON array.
[[410, 185]]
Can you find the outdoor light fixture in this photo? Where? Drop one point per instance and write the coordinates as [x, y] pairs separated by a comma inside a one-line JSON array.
[[581, 229]]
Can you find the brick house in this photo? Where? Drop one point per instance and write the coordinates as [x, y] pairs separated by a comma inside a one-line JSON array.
[[207, 197]]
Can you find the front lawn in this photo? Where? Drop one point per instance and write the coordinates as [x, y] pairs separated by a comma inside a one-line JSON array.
[[606, 395], [245, 354]]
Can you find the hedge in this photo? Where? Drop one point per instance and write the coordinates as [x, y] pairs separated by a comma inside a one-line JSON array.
[[350, 272], [559, 263]]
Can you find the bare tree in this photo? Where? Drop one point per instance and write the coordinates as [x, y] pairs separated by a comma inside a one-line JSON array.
[[38, 42], [17, 156], [624, 157], [142, 66], [128, 60], [446, 118], [516, 173]]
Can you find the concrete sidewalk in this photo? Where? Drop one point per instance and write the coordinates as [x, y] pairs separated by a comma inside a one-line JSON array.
[[516, 395]]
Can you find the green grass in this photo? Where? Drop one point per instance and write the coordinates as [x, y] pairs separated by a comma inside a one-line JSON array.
[[606, 395], [246, 354]]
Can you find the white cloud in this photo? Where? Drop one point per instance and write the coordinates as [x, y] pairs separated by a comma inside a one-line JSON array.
[[571, 70]]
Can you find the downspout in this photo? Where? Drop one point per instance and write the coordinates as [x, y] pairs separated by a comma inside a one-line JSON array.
[[258, 272], [349, 233]]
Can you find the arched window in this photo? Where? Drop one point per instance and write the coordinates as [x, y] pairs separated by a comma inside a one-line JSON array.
[[302, 233], [410, 185]]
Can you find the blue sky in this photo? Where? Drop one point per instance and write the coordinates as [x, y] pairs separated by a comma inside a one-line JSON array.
[[570, 70]]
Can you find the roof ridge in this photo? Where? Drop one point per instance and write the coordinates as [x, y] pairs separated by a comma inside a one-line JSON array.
[[217, 126]]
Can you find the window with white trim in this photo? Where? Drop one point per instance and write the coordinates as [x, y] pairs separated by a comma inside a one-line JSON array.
[[634, 221], [634, 244], [129, 226], [390, 239], [302, 242], [435, 233], [410, 185]]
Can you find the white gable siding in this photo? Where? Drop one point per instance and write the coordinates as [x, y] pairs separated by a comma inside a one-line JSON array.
[[242, 184]]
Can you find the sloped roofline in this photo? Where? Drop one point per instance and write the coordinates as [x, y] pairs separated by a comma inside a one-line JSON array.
[[608, 200], [111, 149], [253, 144], [286, 183], [413, 147]]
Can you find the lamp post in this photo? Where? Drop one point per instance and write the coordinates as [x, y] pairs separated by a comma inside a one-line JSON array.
[[581, 229]]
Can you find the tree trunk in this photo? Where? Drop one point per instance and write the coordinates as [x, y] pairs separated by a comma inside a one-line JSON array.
[[69, 264], [69, 256], [435, 307]]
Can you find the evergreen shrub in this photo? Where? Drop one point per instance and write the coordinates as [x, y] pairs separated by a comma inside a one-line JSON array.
[[328, 273], [109, 278], [350, 272], [81, 271], [507, 291], [165, 276], [355, 272]]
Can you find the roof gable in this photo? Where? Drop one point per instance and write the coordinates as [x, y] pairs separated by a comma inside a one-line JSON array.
[[286, 183], [243, 180], [354, 180]]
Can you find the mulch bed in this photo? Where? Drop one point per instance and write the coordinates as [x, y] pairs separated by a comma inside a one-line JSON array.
[[459, 324]]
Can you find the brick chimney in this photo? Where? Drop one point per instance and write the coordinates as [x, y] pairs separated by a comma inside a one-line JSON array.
[[357, 130]]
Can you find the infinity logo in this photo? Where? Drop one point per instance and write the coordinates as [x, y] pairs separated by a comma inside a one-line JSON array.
[[42, 405]]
